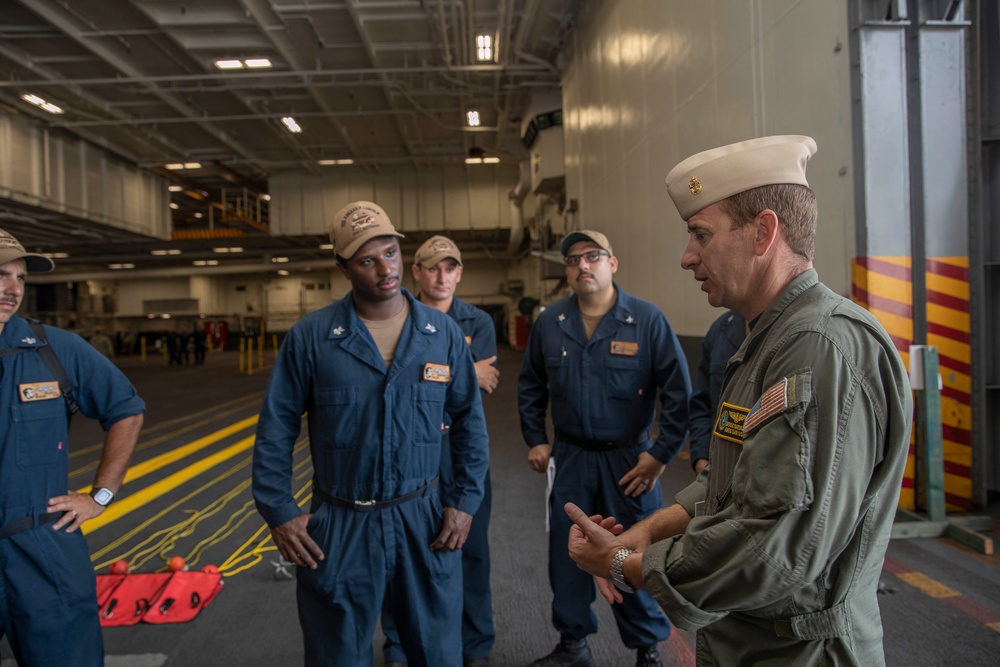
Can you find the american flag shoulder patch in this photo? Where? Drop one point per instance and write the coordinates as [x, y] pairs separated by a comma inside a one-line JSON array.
[[772, 402]]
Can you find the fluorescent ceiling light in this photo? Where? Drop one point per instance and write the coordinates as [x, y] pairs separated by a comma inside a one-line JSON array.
[[192, 165], [173, 166], [282, 272], [291, 124], [491, 160], [174, 205], [121, 266], [257, 63], [279, 260], [226, 250], [484, 47], [56, 255], [175, 188], [229, 64], [473, 118], [169, 251], [198, 216], [326, 246], [327, 163], [41, 103], [206, 262], [266, 197]]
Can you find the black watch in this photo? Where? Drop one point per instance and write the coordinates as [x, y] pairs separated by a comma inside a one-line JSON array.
[[102, 496]]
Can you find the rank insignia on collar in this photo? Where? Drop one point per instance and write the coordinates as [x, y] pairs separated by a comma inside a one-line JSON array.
[[430, 327], [562, 317], [339, 331], [28, 340], [629, 320]]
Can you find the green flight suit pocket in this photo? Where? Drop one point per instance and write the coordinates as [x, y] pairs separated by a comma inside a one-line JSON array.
[[773, 474]]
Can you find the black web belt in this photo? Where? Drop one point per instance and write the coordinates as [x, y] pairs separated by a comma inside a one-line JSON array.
[[27, 523], [372, 505], [599, 445]]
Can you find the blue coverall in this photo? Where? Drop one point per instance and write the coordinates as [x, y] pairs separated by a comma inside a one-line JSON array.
[[478, 634], [600, 391], [375, 434], [724, 337], [47, 585]]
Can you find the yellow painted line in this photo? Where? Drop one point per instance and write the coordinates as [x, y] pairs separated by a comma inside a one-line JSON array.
[[994, 626], [174, 455], [928, 586], [150, 493]]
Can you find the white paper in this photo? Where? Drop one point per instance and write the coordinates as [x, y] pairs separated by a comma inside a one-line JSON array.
[[550, 477]]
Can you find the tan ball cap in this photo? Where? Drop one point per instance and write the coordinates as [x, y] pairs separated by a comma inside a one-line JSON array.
[[713, 175], [356, 223], [586, 235], [11, 249], [435, 249]]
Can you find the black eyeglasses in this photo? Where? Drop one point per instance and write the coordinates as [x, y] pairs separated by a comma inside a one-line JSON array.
[[592, 257]]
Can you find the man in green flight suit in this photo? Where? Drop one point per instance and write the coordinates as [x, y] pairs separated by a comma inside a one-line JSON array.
[[774, 553]]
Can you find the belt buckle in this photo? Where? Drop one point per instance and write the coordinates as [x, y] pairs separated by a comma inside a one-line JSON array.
[[365, 503]]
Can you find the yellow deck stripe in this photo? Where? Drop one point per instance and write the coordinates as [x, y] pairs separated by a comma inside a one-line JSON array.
[[150, 493], [174, 455], [927, 585]]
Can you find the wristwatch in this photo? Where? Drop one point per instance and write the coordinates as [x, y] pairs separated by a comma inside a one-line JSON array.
[[617, 575], [102, 496]]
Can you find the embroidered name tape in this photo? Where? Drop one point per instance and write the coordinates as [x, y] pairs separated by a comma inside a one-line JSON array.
[[729, 423], [38, 391], [626, 348], [437, 372]]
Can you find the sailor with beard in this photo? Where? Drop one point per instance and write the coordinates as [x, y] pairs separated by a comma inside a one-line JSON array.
[[378, 374], [600, 358]]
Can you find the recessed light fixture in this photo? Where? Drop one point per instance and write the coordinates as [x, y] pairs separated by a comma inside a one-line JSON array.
[[249, 63], [174, 205], [482, 160], [326, 163], [292, 126], [206, 262], [116, 267], [169, 251], [472, 116], [41, 103], [484, 47], [199, 215], [266, 197], [226, 250], [175, 166]]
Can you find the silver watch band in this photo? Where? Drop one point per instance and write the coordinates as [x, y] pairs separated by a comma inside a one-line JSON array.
[[617, 574]]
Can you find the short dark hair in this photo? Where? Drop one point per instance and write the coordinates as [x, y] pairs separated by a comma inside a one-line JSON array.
[[795, 206]]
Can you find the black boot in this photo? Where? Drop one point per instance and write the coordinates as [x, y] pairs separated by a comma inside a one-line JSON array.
[[648, 656], [568, 653]]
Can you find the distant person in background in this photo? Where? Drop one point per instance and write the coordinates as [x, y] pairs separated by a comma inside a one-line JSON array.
[[48, 601], [102, 343], [721, 342], [198, 341]]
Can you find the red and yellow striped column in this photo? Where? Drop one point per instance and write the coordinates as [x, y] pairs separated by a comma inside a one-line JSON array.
[[884, 286]]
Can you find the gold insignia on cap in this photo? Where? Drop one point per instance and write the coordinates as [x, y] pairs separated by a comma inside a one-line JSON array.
[[694, 185]]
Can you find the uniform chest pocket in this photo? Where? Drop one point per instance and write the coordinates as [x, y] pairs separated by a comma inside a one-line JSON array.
[[626, 377], [338, 415], [428, 412], [558, 374], [39, 432]]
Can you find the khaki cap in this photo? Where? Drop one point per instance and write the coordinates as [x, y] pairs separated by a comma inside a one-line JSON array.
[[11, 249], [435, 249], [586, 235], [356, 223], [711, 176]]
